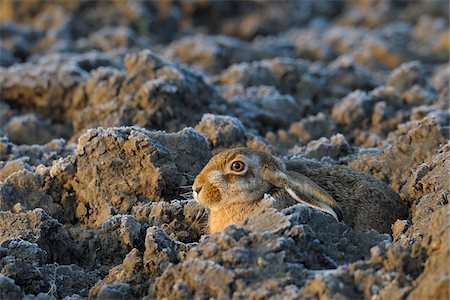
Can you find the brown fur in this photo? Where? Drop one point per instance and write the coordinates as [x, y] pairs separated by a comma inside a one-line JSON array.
[[360, 200], [232, 214], [365, 201]]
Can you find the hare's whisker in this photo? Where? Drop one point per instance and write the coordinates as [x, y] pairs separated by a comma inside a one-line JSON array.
[[186, 174]]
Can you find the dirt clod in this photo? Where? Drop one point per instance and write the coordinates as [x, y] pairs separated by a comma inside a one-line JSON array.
[[110, 109]]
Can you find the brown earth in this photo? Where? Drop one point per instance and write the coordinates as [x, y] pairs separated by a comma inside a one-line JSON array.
[[109, 109]]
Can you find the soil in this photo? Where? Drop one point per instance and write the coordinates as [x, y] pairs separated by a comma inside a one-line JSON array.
[[109, 110]]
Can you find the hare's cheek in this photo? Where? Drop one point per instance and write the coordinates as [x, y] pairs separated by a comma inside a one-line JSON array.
[[211, 194]]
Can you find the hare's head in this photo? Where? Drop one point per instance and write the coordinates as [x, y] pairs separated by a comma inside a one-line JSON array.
[[243, 175]]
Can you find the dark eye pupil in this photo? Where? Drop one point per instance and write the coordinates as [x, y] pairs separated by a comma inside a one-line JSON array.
[[237, 166]]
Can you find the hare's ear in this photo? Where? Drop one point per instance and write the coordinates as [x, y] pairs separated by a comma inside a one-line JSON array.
[[304, 190]]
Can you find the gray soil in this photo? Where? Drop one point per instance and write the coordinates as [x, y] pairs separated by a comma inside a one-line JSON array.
[[109, 109]]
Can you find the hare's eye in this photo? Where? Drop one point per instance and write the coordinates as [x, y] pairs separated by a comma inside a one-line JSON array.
[[237, 166]]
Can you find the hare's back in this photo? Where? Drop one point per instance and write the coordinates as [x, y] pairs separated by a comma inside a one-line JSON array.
[[365, 202]]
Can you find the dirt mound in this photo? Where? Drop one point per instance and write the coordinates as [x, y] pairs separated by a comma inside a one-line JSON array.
[[241, 263], [98, 151]]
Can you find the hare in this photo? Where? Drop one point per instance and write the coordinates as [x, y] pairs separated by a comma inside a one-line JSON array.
[[237, 182]]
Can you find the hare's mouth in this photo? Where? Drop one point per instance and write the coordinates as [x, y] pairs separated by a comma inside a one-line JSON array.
[[195, 195]]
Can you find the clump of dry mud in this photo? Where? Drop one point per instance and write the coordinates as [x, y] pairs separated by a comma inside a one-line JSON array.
[[109, 109]]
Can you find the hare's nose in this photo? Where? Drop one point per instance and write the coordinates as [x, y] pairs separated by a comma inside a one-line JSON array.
[[198, 189]]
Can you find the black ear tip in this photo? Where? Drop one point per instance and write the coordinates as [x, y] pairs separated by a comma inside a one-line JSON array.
[[338, 212]]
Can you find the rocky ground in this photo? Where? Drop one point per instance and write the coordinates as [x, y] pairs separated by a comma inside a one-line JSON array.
[[109, 109]]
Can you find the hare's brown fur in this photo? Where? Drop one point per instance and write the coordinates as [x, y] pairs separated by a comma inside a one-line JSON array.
[[360, 200], [365, 201]]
